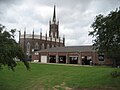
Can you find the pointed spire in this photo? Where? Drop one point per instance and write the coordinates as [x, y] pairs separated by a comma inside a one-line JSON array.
[[46, 32], [33, 34], [40, 33], [54, 15], [63, 40], [24, 32]]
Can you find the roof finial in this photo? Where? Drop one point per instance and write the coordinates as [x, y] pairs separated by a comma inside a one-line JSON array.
[[54, 15], [33, 29], [25, 30]]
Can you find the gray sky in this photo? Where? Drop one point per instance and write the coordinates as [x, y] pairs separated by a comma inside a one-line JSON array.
[[75, 16]]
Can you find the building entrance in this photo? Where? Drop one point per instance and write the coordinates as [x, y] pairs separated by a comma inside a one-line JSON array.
[[62, 59], [52, 59], [86, 60], [73, 59]]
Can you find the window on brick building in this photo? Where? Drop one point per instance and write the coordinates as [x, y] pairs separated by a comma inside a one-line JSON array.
[[36, 46], [28, 47], [101, 57], [55, 34], [52, 34], [43, 46], [48, 46], [52, 45]]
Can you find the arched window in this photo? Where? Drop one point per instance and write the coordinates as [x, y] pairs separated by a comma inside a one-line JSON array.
[[28, 47], [36, 45], [43, 46], [52, 45], [52, 34], [48, 46], [56, 34]]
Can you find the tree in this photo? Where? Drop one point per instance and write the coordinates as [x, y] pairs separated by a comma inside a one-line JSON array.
[[10, 49], [106, 30]]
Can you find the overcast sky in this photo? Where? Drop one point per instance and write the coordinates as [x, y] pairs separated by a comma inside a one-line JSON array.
[[75, 16]]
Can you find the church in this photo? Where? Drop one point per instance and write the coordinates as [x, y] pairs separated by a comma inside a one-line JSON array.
[[32, 42], [52, 49]]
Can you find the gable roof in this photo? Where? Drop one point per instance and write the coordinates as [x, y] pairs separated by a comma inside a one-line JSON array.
[[70, 49]]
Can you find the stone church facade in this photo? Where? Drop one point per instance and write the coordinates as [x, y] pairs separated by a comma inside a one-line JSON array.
[[32, 42]]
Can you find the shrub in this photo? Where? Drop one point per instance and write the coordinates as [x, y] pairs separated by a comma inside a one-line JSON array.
[[115, 74]]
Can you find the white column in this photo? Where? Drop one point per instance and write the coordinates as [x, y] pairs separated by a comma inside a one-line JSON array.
[[57, 59], [67, 58], [48, 61], [79, 59]]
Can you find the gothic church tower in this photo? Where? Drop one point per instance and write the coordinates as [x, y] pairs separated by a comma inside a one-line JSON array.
[[54, 26]]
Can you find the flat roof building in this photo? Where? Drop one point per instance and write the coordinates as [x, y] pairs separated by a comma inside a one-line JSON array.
[[83, 55]]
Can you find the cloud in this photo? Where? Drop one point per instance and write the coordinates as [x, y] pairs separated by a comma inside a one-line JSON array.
[[75, 16]]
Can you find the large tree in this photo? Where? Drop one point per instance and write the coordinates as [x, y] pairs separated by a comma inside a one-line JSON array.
[[106, 31], [10, 49]]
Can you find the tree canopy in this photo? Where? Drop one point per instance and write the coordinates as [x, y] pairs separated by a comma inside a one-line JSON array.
[[106, 30], [10, 49]]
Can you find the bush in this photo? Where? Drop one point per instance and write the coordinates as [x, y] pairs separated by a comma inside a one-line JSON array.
[[115, 74]]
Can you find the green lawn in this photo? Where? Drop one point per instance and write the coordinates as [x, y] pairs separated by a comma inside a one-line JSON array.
[[58, 77]]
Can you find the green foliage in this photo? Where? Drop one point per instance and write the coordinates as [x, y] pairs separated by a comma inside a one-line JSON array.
[[115, 74], [107, 34], [9, 49]]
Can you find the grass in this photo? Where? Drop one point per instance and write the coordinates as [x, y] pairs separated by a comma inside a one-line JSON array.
[[58, 77]]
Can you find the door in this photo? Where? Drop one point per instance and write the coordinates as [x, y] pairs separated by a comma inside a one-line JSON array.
[[43, 59]]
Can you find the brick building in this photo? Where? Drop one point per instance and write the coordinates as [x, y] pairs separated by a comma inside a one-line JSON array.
[[83, 55], [33, 42]]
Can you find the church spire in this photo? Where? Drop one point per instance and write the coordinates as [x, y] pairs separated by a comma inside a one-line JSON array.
[[53, 30], [54, 15]]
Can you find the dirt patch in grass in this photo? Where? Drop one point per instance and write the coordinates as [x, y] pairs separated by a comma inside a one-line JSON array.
[[61, 87], [34, 85]]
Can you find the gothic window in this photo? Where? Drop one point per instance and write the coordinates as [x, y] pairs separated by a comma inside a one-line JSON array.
[[51, 34], [56, 45], [48, 46], [43, 46], [36, 45], [28, 48], [55, 34], [52, 45]]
